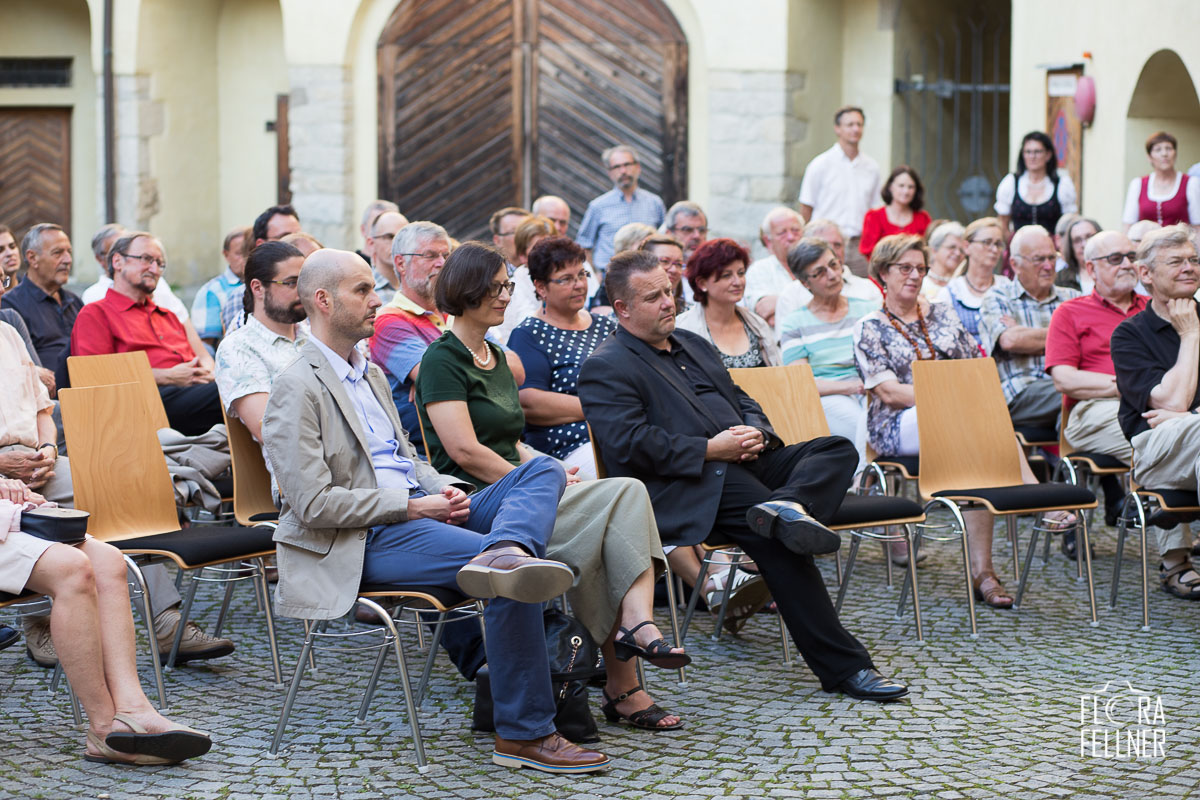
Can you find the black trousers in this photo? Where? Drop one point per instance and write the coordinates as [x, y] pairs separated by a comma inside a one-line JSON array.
[[192, 410], [816, 474]]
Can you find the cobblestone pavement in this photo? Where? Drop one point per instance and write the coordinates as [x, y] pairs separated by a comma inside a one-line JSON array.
[[995, 717]]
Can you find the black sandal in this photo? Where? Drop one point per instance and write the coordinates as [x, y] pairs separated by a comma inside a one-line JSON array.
[[646, 719], [657, 653]]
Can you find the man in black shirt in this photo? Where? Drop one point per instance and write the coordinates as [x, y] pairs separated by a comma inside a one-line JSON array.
[[664, 410], [1156, 355]]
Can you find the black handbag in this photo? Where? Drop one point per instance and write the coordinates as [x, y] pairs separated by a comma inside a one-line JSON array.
[[62, 525], [574, 660]]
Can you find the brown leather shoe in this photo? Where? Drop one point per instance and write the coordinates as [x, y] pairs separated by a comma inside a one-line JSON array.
[[511, 572], [553, 753]]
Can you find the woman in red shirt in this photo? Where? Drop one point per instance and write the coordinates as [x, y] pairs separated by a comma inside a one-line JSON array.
[[903, 210]]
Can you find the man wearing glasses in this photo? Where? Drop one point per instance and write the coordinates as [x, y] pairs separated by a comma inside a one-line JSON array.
[[610, 211], [406, 326], [379, 243], [1013, 322], [1156, 355], [127, 319], [1079, 359]]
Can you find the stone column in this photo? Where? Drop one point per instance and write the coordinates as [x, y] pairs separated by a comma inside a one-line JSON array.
[[755, 132], [138, 119], [319, 132]]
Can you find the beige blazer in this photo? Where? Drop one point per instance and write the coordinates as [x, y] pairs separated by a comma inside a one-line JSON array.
[[322, 463]]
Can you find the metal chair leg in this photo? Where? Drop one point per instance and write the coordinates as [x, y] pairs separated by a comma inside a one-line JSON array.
[[147, 611], [1122, 528], [225, 607], [1028, 562], [855, 542], [729, 578], [887, 560], [693, 600], [783, 640], [1082, 534], [373, 681], [912, 578], [961, 524], [260, 582], [1145, 568], [430, 657], [301, 665], [185, 612], [671, 604], [409, 706], [1011, 522]]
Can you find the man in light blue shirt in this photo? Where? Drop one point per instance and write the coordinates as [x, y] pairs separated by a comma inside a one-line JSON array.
[[624, 204], [206, 308]]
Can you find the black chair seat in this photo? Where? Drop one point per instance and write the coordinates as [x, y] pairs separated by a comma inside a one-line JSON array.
[[862, 510], [1101, 460], [447, 597], [24, 597], [205, 544], [224, 487], [1031, 434], [910, 464], [1031, 495], [1174, 498], [266, 516]]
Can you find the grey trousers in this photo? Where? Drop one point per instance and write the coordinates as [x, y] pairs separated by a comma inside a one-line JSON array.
[[1168, 457], [1038, 405]]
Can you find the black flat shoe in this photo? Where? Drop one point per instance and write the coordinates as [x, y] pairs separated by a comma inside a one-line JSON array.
[[793, 526], [647, 719], [868, 684], [657, 653]]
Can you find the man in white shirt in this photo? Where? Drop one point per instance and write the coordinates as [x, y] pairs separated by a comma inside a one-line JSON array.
[[768, 276], [842, 184]]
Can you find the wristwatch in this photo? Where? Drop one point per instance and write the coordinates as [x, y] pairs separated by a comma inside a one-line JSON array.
[[51, 445]]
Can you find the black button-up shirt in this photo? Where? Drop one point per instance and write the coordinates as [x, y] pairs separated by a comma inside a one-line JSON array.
[[49, 322], [1143, 347], [706, 392]]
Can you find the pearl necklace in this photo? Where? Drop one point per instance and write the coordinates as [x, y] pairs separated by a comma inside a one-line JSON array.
[[487, 354]]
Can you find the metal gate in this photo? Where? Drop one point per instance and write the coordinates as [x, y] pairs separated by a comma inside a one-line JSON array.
[[953, 115]]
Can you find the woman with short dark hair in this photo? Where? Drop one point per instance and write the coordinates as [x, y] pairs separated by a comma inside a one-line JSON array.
[[470, 412], [1036, 193], [903, 209], [1166, 196], [717, 274]]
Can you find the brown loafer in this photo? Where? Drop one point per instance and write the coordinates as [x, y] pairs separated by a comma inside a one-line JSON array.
[[553, 753], [512, 573]]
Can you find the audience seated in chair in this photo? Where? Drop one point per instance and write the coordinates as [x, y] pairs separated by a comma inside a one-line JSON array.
[[664, 410], [605, 529], [358, 507]]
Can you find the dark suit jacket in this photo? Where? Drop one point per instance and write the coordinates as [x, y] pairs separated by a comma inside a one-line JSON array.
[[649, 425]]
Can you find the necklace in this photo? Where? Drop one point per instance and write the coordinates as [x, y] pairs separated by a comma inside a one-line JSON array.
[[487, 354], [899, 325], [975, 288]]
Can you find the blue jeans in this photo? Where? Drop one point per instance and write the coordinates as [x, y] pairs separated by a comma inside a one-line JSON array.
[[520, 507]]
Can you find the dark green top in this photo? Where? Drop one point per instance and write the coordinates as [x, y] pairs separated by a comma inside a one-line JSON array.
[[449, 372]]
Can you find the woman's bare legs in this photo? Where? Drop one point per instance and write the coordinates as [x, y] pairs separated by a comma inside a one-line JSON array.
[[92, 629], [636, 607]]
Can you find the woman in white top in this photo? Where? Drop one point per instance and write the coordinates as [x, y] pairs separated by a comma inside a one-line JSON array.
[[947, 249], [1165, 196], [1037, 193], [976, 274]]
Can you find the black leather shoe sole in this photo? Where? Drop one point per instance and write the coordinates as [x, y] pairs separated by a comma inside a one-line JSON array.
[[805, 536], [217, 651], [8, 636]]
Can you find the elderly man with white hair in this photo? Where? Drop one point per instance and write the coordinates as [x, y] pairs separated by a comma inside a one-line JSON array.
[[1013, 325], [1156, 356]]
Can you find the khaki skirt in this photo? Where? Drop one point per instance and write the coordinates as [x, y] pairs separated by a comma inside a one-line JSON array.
[[18, 553]]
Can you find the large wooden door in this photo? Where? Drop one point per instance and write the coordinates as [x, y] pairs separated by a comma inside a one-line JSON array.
[[494, 103], [35, 167]]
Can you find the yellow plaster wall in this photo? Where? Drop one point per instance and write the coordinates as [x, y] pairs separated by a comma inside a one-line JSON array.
[[868, 45], [60, 28], [1121, 37]]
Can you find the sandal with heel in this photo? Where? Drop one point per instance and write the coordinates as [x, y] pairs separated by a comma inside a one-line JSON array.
[[657, 653], [646, 719]]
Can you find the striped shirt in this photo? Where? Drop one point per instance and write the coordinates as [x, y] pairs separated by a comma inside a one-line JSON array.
[[1017, 370], [206, 308], [828, 346]]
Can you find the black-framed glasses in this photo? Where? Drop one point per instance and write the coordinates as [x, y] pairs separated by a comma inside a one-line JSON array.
[[570, 280], [1116, 259], [288, 282], [908, 269], [688, 230], [496, 288], [433, 255], [146, 259]]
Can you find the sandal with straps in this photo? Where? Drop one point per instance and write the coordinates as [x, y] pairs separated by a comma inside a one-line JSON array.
[[991, 591], [657, 653], [748, 595], [1173, 582], [646, 719]]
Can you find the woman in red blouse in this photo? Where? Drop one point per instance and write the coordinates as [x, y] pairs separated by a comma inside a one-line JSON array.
[[903, 210]]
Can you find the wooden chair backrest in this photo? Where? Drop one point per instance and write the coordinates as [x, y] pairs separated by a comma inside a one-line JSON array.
[[966, 435], [117, 465], [788, 396], [133, 367], [251, 480], [601, 471], [1064, 447]]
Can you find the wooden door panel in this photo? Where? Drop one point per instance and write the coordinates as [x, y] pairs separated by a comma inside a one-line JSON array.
[[35, 167]]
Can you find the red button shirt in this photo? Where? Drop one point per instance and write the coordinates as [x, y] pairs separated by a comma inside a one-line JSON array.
[[118, 324], [1080, 332]]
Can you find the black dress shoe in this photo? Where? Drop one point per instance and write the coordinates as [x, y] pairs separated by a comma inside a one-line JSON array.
[[793, 526], [8, 636], [868, 684]]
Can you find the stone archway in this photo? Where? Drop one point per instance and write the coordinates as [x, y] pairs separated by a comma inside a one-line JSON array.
[[495, 104], [1163, 99]]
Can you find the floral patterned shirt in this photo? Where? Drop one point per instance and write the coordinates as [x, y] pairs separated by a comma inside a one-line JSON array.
[[882, 354]]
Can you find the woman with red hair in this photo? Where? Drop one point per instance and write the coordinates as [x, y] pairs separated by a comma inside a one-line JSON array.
[[717, 274]]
